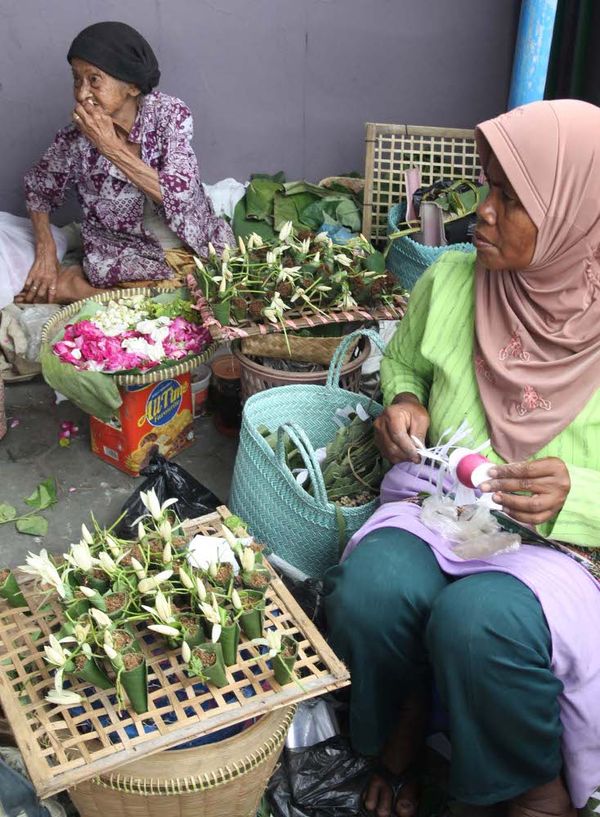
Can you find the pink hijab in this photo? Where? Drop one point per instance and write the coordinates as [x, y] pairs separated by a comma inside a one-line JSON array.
[[537, 330]]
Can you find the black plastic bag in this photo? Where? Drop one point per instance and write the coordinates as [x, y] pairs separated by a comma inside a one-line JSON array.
[[324, 780], [168, 480]]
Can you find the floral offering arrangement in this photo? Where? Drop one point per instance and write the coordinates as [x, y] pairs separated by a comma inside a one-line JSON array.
[[301, 272], [198, 597], [132, 332]]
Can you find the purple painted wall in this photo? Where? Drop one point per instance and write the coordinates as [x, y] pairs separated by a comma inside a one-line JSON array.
[[273, 84]]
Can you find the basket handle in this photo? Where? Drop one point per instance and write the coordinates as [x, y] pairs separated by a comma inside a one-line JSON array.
[[298, 436], [337, 361]]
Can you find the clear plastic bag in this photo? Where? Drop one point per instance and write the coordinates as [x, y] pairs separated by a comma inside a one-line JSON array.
[[474, 531]]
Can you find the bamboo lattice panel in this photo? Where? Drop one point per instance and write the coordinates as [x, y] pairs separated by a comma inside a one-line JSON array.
[[303, 320], [392, 149], [63, 745]]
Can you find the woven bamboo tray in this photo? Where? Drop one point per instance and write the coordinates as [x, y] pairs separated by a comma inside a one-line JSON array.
[[60, 319], [63, 746], [297, 319], [448, 153]]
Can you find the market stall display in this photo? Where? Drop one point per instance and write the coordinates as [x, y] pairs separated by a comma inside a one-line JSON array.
[[70, 720], [297, 279]]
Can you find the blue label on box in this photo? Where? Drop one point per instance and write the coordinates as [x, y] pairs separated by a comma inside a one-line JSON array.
[[163, 402]]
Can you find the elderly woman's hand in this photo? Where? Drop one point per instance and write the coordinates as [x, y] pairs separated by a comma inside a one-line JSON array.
[[545, 485], [405, 418], [97, 125]]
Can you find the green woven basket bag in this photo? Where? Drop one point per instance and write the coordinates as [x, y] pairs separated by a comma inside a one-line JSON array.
[[307, 531]]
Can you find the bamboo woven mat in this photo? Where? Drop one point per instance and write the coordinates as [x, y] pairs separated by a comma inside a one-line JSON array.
[[64, 745]]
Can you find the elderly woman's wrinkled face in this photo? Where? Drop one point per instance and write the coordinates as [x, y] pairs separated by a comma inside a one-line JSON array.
[[506, 236], [93, 85]]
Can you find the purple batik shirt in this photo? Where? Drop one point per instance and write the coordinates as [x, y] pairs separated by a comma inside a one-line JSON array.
[[116, 245]]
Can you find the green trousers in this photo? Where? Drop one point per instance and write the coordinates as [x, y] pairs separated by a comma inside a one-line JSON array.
[[401, 625]]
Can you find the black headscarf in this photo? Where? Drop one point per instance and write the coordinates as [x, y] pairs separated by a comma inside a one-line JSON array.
[[119, 50]]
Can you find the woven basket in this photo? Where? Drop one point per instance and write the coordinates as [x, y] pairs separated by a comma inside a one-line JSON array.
[[307, 531], [256, 378], [294, 347], [440, 153], [408, 259], [225, 778], [60, 319]]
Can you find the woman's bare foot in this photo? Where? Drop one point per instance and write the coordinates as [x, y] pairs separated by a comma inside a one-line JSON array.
[[71, 286], [402, 750], [549, 800]]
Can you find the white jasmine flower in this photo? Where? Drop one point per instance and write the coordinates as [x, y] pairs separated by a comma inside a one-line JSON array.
[[186, 652], [41, 566], [236, 600], [86, 535], [186, 579], [343, 259], [247, 560], [88, 592], [63, 697], [140, 570], [215, 634], [165, 629], [100, 618], [55, 654], [80, 557], [286, 231]]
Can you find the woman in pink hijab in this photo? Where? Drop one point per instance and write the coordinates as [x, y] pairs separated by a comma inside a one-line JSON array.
[[508, 339]]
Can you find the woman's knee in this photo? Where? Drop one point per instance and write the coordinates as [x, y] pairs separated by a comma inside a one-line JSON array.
[[388, 571], [477, 618]]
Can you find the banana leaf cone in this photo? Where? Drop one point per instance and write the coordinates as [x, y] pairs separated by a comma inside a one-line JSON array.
[[124, 640], [9, 589], [283, 663], [193, 631], [252, 619], [215, 672], [96, 583], [222, 312], [86, 669], [134, 680], [116, 604], [258, 579], [229, 640]]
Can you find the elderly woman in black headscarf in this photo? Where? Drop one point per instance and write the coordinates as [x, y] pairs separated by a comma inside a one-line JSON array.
[[128, 155]]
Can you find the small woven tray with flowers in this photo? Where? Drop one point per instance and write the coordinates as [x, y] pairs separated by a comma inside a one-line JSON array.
[[296, 281], [126, 648]]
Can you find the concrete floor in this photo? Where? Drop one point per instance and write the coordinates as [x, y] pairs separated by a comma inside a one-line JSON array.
[[30, 453]]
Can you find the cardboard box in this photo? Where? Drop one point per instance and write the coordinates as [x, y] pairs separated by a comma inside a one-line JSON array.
[[155, 418]]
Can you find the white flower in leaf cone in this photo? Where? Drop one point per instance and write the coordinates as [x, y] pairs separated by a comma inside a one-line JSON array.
[[236, 600], [165, 629], [343, 259], [55, 654], [140, 570], [247, 560], [286, 231], [185, 579], [80, 557], [114, 547], [347, 301], [88, 592], [152, 503], [63, 697], [166, 531], [100, 618], [86, 535], [107, 563], [167, 554], [110, 651], [163, 607], [200, 589], [272, 641], [215, 634], [41, 566], [186, 652]]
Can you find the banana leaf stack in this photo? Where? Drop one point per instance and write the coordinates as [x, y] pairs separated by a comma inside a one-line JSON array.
[[351, 464]]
